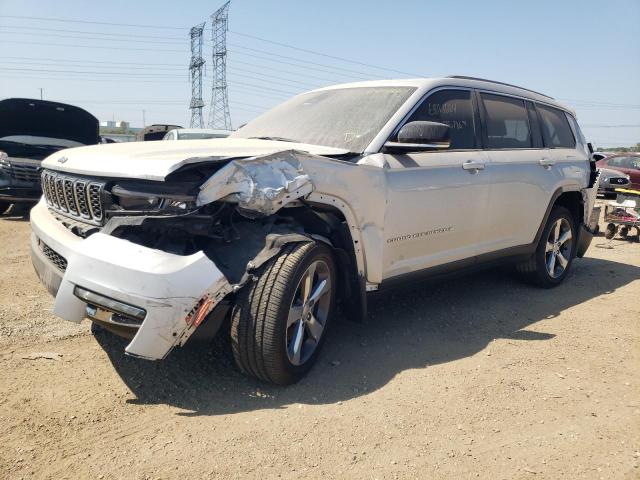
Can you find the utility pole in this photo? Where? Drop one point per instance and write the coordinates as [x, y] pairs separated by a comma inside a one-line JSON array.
[[219, 116], [41, 96], [195, 70], [144, 121]]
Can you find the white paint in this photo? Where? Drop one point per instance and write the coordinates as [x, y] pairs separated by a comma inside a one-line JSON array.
[[167, 286], [156, 160]]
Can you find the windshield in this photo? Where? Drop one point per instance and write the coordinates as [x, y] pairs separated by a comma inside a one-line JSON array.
[[347, 118]]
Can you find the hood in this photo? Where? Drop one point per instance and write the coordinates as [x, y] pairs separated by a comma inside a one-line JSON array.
[[41, 118], [156, 160]]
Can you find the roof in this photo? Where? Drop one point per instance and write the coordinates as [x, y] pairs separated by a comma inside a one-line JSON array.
[[426, 84]]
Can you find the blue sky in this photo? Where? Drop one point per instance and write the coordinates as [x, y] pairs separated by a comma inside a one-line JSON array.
[[586, 53]]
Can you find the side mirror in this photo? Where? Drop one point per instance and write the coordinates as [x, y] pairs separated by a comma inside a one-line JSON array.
[[421, 135]]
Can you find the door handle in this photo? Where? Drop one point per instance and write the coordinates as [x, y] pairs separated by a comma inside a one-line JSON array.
[[473, 165], [547, 162]]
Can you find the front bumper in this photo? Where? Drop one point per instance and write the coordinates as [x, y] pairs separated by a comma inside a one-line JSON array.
[[171, 289], [20, 185], [19, 194]]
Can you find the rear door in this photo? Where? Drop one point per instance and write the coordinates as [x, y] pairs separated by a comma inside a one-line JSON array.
[[521, 169], [436, 204]]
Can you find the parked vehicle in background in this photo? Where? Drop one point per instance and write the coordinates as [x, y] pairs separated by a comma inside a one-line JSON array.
[[31, 130], [154, 132], [195, 134], [628, 163], [335, 193], [610, 180]]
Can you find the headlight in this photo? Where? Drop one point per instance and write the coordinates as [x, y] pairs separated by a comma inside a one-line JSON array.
[[154, 203], [141, 199]]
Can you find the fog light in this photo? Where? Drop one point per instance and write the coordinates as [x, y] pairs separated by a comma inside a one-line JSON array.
[[109, 303]]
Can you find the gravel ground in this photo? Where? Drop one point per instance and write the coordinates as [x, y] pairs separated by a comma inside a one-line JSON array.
[[476, 377]]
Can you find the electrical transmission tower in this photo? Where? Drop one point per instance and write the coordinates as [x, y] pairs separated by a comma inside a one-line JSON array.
[[195, 69], [219, 116]]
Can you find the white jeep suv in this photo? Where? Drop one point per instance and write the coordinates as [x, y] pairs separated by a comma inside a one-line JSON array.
[[335, 193]]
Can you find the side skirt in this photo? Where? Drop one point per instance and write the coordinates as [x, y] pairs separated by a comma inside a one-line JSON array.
[[461, 267]]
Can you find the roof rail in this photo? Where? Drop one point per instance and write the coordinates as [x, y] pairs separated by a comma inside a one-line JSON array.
[[463, 77]]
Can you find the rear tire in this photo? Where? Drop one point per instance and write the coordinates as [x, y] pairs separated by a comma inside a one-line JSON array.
[[4, 206], [276, 335], [556, 249]]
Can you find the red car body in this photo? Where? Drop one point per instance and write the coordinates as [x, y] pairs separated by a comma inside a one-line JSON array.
[[628, 163]]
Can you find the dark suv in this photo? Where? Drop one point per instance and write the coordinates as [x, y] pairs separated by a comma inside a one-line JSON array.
[[30, 131]]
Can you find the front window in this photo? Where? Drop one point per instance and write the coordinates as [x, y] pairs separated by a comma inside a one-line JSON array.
[[347, 118], [453, 108]]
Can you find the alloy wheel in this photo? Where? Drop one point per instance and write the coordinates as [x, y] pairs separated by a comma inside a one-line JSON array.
[[308, 312], [559, 248]]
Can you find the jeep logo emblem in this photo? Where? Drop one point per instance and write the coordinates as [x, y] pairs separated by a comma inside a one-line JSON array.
[[62, 159]]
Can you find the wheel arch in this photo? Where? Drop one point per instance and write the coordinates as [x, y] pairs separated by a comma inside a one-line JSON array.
[[330, 220], [572, 200]]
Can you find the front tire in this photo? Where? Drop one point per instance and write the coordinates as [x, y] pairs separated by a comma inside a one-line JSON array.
[[556, 249], [4, 206], [279, 322]]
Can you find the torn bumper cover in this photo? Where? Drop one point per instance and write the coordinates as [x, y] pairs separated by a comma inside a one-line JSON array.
[[174, 292], [165, 295]]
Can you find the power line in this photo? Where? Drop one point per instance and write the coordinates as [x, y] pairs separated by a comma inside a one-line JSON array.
[[322, 54], [68, 20], [597, 103], [264, 52], [145, 66], [129, 66], [93, 32], [360, 75], [610, 126], [296, 65], [174, 40], [101, 47], [142, 76], [64, 60]]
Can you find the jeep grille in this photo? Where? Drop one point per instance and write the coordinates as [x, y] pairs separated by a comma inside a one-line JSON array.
[[74, 197]]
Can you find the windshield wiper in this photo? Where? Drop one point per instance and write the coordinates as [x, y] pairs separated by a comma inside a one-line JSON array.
[[277, 139]]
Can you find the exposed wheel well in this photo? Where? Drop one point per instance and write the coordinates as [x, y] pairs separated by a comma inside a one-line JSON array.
[[573, 202], [329, 222]]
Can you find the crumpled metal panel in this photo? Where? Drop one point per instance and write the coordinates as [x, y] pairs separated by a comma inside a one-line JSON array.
[[261, 185]]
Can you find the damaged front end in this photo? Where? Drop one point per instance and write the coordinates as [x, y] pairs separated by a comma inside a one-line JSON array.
[[165, 256]]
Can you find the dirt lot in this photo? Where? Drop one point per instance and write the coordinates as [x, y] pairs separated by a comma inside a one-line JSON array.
[[477, 377]]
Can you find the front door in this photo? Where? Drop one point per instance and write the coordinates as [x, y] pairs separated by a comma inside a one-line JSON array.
[[437, 200]]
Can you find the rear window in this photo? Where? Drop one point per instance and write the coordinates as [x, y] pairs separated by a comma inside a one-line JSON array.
[[507, 123], [555, 128]]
